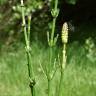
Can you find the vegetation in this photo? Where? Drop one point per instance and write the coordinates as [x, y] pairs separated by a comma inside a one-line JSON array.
[[48, 58], [28, 49], [79, 75]]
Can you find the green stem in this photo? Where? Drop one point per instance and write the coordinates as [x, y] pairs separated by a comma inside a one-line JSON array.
[[62, 69], [56, 4], [60, 84], [53, 29], [50, 61], [28, 59], [64, 57], [24, 23], [49, 70], [54, 20], [30, 73], [27, 41], [51, 45], [29, 23], [49, 85]]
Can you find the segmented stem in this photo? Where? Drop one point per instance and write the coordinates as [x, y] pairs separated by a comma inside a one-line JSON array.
[[27, 41], [52, 42], [64, 37]]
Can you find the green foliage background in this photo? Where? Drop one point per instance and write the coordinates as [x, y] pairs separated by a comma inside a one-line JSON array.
[[80, 73], [10, 18]]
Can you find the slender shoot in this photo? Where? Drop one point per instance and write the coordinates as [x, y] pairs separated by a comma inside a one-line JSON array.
[[28, 49], [64, 37]]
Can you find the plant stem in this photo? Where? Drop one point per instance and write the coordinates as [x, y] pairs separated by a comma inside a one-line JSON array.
[[54, 14], [62, 69], [27, 41], [49, 70], [49, 87], [64, 57], [56, 4], [53, 30], [24, 22], [30, 73], [29, 23], [64, 38], [52, 41]]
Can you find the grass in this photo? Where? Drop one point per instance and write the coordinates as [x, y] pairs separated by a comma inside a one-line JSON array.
[[79, 76]]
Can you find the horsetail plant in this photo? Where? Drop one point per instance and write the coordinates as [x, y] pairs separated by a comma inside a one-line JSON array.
[[64, 37], [27, 43], [51, 42]]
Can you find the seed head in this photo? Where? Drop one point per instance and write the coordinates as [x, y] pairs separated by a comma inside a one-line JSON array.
[[64, 35]]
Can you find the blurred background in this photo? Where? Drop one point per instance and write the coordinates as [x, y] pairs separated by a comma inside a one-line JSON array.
[[80, 75]]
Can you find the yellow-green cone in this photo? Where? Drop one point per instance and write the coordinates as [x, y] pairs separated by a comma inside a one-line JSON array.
[[64, 35]]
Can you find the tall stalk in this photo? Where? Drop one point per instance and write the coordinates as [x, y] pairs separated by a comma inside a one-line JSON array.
[[52, 42], [64, 38], [49, 72], [27, 43]]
